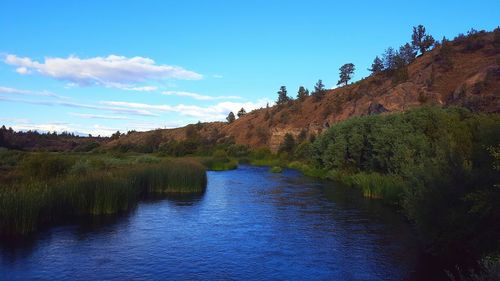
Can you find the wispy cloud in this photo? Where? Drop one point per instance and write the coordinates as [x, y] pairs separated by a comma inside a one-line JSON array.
[[98, 116], [14, 91], [115, 109], [104, 71], [197, 96], [217, 112]]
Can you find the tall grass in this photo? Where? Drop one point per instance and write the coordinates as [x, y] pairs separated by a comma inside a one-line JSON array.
[[26, 206]]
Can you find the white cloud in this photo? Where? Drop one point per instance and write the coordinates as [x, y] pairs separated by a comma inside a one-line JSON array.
[[217, 76], [104, 71], [197, 96], [217, 112], [114, 109]]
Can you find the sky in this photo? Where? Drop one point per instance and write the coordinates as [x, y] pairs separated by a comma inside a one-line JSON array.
[[95, 67]]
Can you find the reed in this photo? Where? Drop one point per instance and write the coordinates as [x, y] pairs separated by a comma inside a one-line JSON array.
[[26, 206]]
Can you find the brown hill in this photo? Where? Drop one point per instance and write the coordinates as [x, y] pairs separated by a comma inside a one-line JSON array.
[[466, 73]]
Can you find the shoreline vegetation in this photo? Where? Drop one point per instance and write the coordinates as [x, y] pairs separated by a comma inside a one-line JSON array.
[[438, 167], [48, 188]]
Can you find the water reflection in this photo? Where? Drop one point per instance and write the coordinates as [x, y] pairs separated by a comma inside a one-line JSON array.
[[250, 224]]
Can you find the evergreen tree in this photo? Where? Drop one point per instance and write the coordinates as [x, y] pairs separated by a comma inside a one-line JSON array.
[[241, 112], [282, 96], [230, 117], [390, 59], [346, 72], [288, 143], [302, 93], [421, 41], [114, 136], [407, 53], [377, 65], [319, 90]]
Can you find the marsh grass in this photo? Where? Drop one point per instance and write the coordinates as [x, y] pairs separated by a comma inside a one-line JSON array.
[[276, 169], [24, 206], [218, 163]]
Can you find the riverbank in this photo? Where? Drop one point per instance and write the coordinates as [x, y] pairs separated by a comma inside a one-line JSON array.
[[45, 188]]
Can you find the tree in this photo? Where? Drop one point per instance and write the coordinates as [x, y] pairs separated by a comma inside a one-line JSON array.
[[282, 96], [496, 39], [390, 59], [421, 41], [319, 90], [444, 55], [302, 93], [377, 65], [288, 143], [346, 72], [241, 112], [116, 135], [230, 117], [407, 53]]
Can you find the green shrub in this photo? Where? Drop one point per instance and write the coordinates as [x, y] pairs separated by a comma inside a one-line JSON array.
[[276, 169], [46, 166], [434, 163]]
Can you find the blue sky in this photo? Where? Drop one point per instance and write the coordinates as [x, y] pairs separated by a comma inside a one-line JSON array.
[[101, 66]]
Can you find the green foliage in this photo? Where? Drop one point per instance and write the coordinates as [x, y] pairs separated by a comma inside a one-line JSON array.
[[319, 90], [230, 117], [377, 65], [444, 56], [283, 97], [288, 143], [276, 169], [50, 196], [420, 40], [346, 72], [302, 93], [407, 53], [242, 112], [434, 163], [44, 166]]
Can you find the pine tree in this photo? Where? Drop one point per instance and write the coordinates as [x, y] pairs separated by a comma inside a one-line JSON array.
[[241, 112], [303, 93], [230, 117], [288, 143], [346, 72], [282, 96], [377, 66], [421, 41], [390, 59], [319, 90], [407, 53]]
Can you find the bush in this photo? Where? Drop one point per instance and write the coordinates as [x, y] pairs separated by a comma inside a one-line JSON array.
[[434, 163]]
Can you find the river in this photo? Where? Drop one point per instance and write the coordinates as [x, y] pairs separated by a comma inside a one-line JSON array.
[[249, 225]]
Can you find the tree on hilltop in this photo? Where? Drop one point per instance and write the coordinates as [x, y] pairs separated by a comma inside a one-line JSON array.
[[230, 117], [346, 72], [241, 112], [420, 40], [282, 96], [377, 65]]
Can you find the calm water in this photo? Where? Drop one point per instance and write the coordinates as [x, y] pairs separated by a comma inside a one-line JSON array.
[[249, 224]]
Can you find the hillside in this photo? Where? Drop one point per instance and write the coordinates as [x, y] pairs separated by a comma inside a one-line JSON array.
[[467, 75]]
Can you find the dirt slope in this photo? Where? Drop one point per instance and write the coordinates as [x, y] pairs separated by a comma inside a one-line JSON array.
[[471, 80]]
